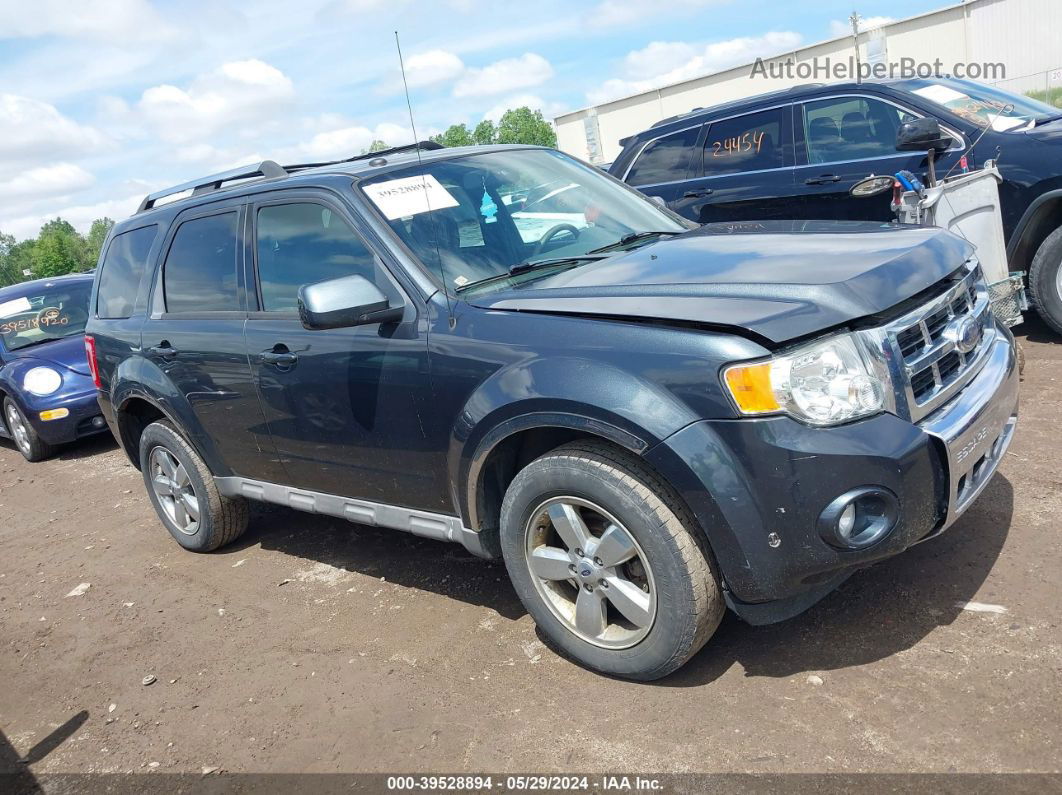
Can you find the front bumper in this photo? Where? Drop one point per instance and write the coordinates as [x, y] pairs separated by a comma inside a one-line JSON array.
[[84, 418], [758, 487]]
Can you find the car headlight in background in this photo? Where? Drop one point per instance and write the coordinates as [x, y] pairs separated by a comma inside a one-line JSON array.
[[825, 383], [42, 381]]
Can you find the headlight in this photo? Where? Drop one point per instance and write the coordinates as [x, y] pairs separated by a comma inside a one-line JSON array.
[[824, 383], [42, 381]]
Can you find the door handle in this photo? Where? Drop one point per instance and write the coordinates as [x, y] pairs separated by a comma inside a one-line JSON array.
[[822, 180], [697, 194], [163, 350], [278, 356]]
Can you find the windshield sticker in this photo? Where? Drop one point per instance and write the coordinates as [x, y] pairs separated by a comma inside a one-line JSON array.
[[461, 281], [15, 307], [942, 95], [401, 198]]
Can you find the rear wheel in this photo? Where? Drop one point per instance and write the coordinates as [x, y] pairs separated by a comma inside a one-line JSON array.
[[25, 436], [1045, 280], [184, 494], [605, 560]]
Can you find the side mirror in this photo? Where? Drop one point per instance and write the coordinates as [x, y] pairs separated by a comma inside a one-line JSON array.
[[343, 302], [871, 186], [921, 135]]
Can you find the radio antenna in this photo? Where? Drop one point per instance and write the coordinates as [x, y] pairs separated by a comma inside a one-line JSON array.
[[427, 201]]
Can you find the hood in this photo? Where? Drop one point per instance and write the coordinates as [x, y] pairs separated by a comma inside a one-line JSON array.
[[1048, 132], [68, 353], [778, 279]]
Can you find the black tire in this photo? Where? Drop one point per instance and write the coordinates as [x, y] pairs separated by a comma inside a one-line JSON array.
[[221, 519], [689, 599], [32, 446], [1043, 281]]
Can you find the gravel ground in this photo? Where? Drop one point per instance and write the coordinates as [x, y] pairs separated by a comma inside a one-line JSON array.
[[315, 645]]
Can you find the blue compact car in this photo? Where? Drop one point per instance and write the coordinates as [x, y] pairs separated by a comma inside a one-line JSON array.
[[47, 391]]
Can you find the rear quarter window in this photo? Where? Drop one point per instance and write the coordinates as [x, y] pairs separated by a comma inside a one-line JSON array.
[[122, 271], [665, 159]]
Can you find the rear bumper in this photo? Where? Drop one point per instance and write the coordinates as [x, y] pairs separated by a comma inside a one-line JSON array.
[[759, 487]]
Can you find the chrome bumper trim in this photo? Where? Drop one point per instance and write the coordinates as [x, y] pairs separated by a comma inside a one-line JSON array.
[[977, 426]]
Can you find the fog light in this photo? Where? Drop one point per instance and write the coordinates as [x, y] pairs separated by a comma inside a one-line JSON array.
[[846, 522], [859, 518], [98, 422], [54, 414]]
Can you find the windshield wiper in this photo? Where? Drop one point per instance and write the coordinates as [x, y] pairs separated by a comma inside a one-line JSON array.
[[526, 267], [634, 237]]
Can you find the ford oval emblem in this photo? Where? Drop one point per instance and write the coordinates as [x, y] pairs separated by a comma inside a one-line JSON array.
[[966, 333], [585, 572]]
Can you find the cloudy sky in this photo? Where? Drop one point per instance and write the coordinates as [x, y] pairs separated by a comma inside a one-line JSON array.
[[102, 101]]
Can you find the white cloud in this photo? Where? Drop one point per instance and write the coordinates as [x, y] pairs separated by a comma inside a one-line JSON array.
[[842, 27], [113, 20], [508, 74], [33, 132], [549, 109], [617, 13], [663, 63], [52, 180], [237, 95], [345, 141], [431, 67], [80, 216]]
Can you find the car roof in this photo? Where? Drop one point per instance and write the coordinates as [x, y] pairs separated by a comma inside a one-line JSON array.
[[28, 288], [792, 94], [269, 175]]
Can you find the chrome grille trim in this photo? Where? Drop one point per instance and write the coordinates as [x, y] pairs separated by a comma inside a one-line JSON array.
[[926, 363]]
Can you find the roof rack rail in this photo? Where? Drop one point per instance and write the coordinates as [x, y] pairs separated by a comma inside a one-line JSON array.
[[266, 169], [427, 146]]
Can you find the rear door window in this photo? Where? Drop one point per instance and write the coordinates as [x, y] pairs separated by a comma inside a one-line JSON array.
[[664, 160], [851, 128], [122, 270], [753, 142], [200, 270]]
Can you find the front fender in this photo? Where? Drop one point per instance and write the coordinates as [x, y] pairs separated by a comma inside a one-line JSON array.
[[138, 378], [557, 392]]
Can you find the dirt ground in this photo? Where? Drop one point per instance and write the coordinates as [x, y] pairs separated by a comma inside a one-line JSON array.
[[315, 645]]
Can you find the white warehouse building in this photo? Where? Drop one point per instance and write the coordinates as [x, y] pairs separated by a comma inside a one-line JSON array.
[[1015, 44]]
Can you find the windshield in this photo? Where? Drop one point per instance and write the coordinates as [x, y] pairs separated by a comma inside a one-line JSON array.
[[984, 105], [55, 311], [495, 211]]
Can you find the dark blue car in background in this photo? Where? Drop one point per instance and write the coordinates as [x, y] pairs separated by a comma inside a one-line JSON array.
[[795, 154], [46, 389]]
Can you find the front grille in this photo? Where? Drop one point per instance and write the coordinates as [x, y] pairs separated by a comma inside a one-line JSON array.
[[937, 347]]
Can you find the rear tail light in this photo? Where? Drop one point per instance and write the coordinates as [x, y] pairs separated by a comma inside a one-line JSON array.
[[90, 354]]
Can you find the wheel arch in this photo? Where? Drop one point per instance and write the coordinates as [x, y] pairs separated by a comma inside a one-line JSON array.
[[1040, 219]]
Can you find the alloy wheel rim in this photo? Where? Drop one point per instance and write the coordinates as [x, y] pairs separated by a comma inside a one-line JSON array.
[[17, 428], [174, 491], [591, 572]]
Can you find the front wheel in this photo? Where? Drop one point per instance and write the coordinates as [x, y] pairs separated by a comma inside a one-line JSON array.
[[25, 436], [605, 560], [1045, 280]]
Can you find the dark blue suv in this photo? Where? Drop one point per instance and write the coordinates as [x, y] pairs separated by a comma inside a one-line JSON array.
[[509, 349], [795, 154]]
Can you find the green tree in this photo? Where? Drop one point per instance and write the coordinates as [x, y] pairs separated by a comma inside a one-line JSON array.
[[484, 134], [101, 227], [20, 259], [455, 135], [378, 146], [525, 126], [59, 249], [8, 275]]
